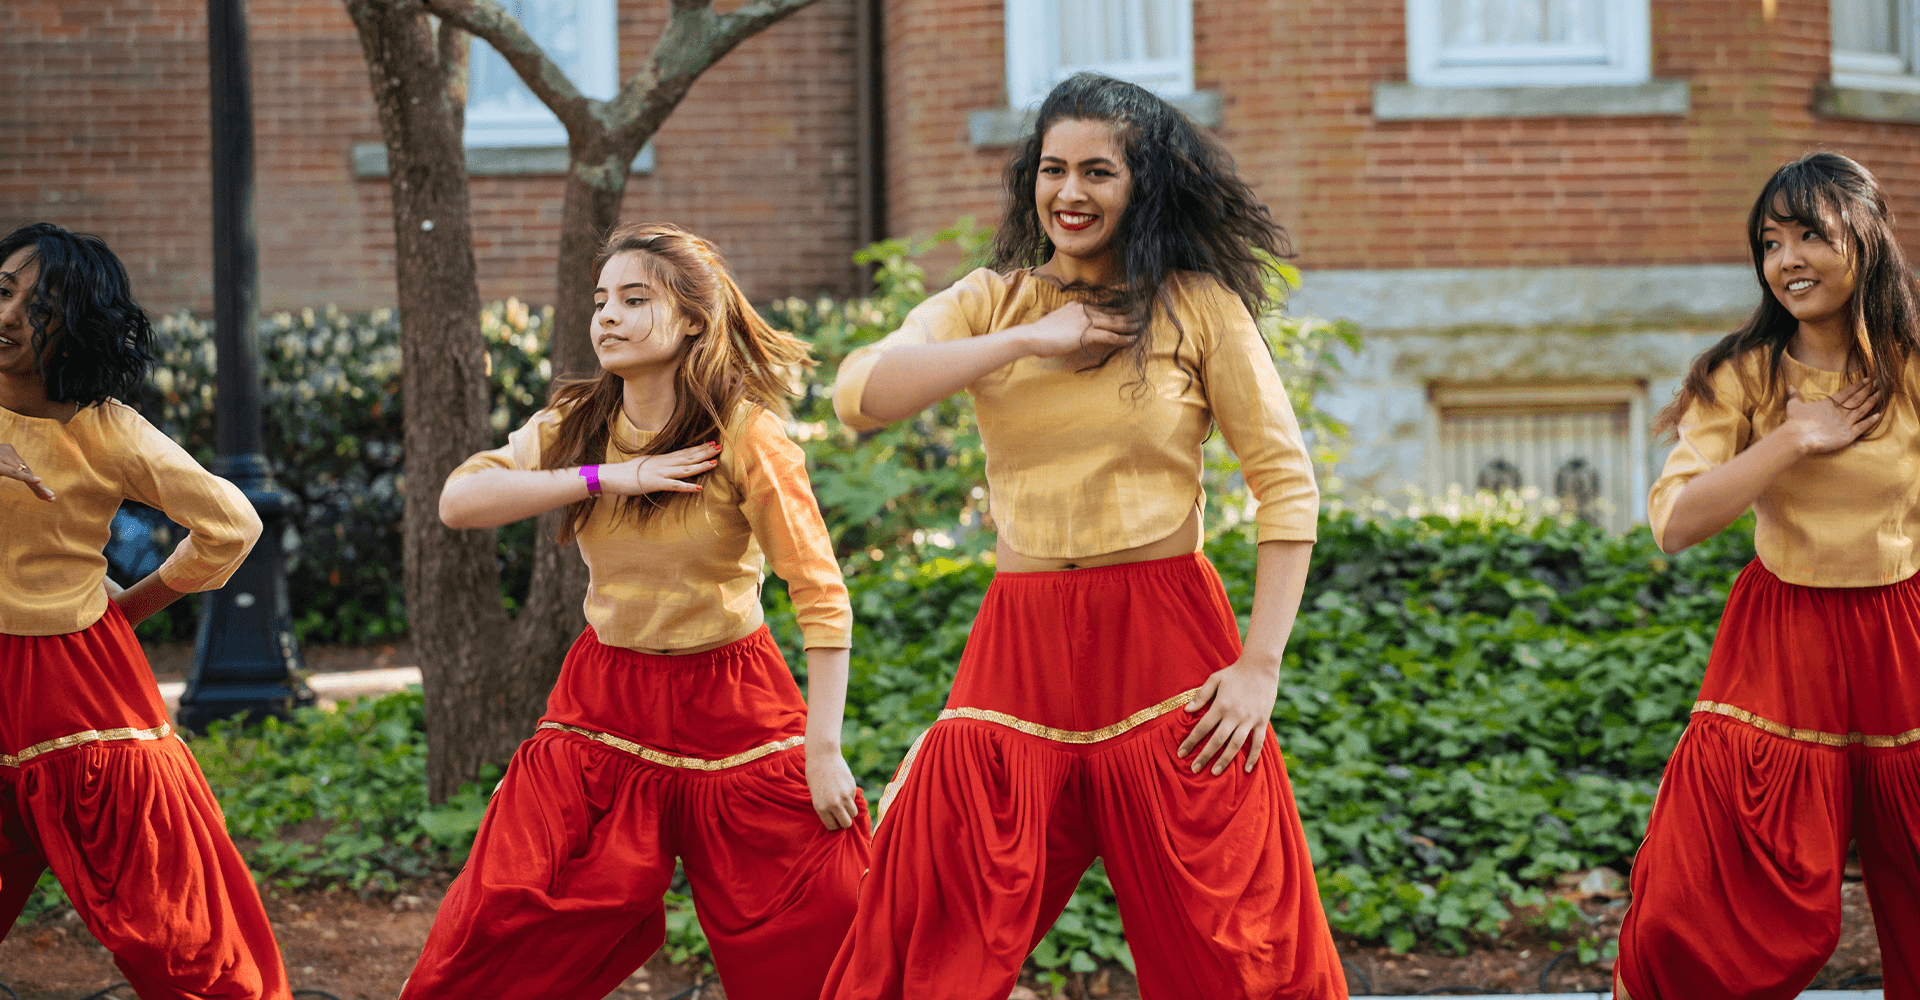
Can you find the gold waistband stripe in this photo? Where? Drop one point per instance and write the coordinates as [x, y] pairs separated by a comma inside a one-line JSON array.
[[1077, 736], [159, 732], [1805, 735], [1074, 736], [653, 756]]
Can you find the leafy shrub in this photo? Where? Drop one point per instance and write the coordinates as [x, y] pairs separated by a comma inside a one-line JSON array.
[[331, 419]]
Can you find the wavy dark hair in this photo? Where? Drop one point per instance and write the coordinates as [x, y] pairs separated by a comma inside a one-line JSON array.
[[91, 341], [732, 357], [1187, 209], [1839, 199]]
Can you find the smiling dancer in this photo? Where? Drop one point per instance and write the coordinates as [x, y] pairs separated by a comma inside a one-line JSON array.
[[675, 728], [1104, 705], [1807, 731], [92, 782]]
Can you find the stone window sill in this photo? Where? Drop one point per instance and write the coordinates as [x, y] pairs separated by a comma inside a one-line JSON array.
[[1834, 100], [370, 161], [1006, 126], [1407, 102]]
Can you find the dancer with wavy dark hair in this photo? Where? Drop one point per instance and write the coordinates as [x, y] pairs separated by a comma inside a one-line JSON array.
[[92, 782], [675, 729], [1806, 734], [1104, 706]]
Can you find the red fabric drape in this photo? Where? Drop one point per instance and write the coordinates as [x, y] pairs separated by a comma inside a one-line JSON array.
[[1806, 736], [1058, 746], [660, 757], [94, 785]]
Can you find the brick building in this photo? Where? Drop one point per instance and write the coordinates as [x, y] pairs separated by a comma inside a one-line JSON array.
[[1532, 208]]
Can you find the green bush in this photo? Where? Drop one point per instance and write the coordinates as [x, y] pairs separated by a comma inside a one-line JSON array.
[[330, 384]]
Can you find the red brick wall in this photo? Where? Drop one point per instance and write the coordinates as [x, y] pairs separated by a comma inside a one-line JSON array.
[[1296, 79], [113, 140]]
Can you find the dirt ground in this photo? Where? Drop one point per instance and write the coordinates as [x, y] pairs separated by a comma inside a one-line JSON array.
[[354, 948]]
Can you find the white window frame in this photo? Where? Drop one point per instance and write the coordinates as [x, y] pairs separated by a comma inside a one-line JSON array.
[[1877, 70], [1033, 65], [596, 75], [1625, 58]]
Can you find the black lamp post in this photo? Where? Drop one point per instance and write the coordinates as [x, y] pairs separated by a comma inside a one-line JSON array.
[[245, 655]]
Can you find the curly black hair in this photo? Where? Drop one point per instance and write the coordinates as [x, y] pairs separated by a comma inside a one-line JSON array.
[[91, 341], [1187, 210]]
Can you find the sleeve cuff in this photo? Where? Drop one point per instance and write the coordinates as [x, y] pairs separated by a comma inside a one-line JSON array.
[[823, 635], [850, 388]]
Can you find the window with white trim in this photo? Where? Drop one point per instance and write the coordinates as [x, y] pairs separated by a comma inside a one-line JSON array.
[[581, 36], [1527, 43], [1584, 445], [1148, 42], [1875, 43]]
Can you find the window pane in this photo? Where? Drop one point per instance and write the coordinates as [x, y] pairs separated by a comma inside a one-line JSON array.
[[561, 28], [1523, 22], [1103, 32], [1866, 26]]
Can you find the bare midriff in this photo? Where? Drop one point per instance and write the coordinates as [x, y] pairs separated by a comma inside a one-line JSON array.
[[1185, 539]]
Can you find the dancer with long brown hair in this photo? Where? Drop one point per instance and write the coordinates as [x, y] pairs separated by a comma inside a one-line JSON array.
[[1104, 706], [93, 782], [1806, 734], [675, 729]]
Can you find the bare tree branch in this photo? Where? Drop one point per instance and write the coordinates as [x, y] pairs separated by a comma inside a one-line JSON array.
[[490, 21], [694, 39]]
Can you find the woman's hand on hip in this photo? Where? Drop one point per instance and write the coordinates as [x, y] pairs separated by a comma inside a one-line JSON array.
[[1074, 326], [13, 467], [1238, 701], [657, 473], [1830, 424], [835, 795]]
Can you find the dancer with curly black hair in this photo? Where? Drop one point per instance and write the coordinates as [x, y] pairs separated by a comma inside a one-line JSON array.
[[1806, 734], [92, 782], [1104, 706]]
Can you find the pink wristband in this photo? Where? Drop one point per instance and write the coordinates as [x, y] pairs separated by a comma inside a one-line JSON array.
[[591, 473]]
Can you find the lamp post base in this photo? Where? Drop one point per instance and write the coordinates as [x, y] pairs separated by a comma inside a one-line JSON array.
[[245, 659]]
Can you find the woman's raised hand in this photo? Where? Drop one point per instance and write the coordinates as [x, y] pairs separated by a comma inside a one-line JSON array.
[[1830, 424], [655, 473], [13, 467], [1074, 326]]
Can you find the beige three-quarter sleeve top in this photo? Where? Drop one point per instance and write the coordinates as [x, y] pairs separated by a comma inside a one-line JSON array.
[[1082, 463], [52, 571], [690, 577], [1844, 519]]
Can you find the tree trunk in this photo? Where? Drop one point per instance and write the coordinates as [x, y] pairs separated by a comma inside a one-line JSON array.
[[485, 679], [596, 184]]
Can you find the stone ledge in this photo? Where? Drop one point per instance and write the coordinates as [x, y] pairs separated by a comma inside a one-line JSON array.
[[370, 161], [1006, 126], [1407, 102], [1834, 100], [1450, 297]]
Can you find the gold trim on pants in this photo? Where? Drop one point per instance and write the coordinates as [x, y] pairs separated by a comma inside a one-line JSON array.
[[159, 732], [653, 756]]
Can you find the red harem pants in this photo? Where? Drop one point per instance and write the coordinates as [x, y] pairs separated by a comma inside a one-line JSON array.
[[1059, 747], [94, 784], [1806, 736], [640, 759]]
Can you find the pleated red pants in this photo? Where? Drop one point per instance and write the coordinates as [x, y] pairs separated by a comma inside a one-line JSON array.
[[1806, 736], [1058, 746], [641, 759], [94, 784]]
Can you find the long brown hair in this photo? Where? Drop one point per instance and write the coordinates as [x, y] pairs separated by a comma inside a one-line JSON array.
[[731, 357], [1839, 199]]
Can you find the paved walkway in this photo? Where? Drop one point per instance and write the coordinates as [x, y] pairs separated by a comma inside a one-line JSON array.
[[333, 688]]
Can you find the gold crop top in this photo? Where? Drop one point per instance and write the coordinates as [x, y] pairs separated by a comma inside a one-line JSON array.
[[1079, 463], [691, 576], [1845, 519], [51, 567]]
